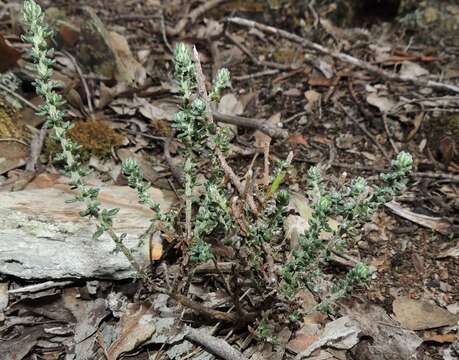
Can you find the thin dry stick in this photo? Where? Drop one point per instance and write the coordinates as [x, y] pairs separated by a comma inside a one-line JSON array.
[[40, 287], [36, 146], [343, 57], [214, 345], [255, 60], [257, 124], [426, 174], [211, 313], [214, 329], [83, 81], [167, 155], [389, 135], [225, 166], [193, 16], [228, 289], [14, 140], [19, 97], [256, 75], [266, 165], [163, 31], [366, 132], [368, 116], [439, 99]]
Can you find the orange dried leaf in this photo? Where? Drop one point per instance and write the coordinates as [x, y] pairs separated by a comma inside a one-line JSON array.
[[298, 139]]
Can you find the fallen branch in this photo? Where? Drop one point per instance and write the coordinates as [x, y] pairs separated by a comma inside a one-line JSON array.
[[424, 174], [254, 59], [214, 345], [342, 57], [193, 16], [255, 75], [40, 287], [274, 132]]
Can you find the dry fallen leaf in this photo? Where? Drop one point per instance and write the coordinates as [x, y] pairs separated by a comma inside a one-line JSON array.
[[108, 53], [381, 337], [150, 111], [129, 69], [8, 55], [342, 333], [13, 154], [312, 97], [135, 327], [295, 224], [301, 343], [261, 139], [412, 69], [298, 139], [421, 315], [440, 338], [441, 225], [383, 103]]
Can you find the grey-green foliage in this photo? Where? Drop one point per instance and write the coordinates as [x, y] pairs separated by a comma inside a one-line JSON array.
[[201, 137], [131, 169], [354, 205], [38, 34], [209, 216]]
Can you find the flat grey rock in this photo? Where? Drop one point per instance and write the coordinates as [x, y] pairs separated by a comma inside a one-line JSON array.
[[43, 237]]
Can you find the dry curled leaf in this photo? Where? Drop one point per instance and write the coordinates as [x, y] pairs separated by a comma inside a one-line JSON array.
[[298, 139], [13, 154], [136, 326]]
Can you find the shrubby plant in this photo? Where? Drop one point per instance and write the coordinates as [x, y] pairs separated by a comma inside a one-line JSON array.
[[218, 214], [38, 34]]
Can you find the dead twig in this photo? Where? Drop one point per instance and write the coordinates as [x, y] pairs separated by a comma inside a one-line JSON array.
[[36, 145], [193, 16], [167, 155], [257, 124], [163, 31], [437, 175], [442, 225], [439, 99], [14, 140], [211, 313], [19, 97], [256, 75], [39, 287], [214, 345], [343, 57], [254, 59], [366, 132], [368, 116], [83, 81], [389, 135], [417, 174], [223, 163]]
